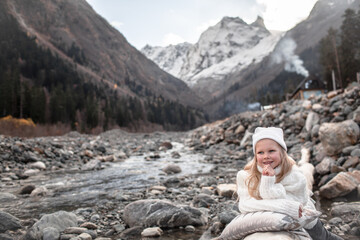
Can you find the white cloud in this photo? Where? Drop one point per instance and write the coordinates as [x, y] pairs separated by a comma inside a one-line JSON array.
[[172, 38], [284, 14], [117, 24]]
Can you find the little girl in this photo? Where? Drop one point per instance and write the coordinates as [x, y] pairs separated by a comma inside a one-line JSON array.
[[273, 182]]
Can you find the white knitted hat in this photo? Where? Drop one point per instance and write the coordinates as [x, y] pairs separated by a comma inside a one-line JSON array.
[[272, 133]]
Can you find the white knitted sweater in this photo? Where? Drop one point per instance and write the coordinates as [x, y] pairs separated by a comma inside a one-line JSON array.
[[284, 197]]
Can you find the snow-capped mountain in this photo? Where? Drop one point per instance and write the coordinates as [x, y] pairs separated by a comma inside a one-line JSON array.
[[170, 58], [227, 47]]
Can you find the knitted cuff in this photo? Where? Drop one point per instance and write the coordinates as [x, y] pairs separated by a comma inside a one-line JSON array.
[[292, 208]]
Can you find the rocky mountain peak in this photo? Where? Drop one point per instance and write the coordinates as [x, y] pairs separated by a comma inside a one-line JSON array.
[[230, 20], [259, 22]]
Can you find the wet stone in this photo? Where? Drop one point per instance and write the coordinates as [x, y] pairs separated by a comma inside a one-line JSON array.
[[27, 189]]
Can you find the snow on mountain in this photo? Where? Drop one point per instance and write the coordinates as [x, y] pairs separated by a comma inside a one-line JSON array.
[[230, 45], [170, 58], [238, 61]]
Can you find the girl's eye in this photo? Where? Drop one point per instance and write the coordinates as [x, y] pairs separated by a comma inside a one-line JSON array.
[[272, 150], [260, 152]]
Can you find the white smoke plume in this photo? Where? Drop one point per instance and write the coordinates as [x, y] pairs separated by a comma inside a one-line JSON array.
[[285, 53]]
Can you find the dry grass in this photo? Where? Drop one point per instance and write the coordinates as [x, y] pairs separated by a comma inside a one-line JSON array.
[[19, 127], [16, 127]]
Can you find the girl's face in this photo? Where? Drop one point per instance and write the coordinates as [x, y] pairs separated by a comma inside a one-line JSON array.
[[267, 152]]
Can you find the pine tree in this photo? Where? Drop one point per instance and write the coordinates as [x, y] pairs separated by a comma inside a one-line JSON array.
[[328, 45], [350, 39]]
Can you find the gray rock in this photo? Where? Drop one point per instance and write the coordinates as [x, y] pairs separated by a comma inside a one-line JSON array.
[[203, 200], [95, 218], [93, 164], [163, 214], [335, 221], [31, 172], [93, 234], [346, 210], [89, 225], [227, 216], [27, 189], [166, 145], [206, 181], [39, 191], [355, 153], [315, 130], [349, 149], [4, 236], [4, 197], [351, 162], [190, 228], [59, 220], [51, 233], [226, 190], [31, 157], [336, 136], [355, 115], [172, 168], [8, 222], [119, 228], [85, 236], [38, 165], [152, 232], [311, 120], [132, 232], [75, 230], [325, 165]]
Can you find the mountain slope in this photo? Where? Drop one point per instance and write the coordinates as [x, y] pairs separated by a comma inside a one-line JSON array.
[[58, 25], [84, 71]]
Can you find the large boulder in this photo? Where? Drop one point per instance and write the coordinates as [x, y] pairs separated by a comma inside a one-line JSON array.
[[336, 136], [341, 185], [56, 221], [162, 213], [8, 222]]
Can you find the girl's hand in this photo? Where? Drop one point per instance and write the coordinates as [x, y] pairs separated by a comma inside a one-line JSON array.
[[268, 171]]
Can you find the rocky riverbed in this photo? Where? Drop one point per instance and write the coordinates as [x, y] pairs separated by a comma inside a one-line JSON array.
[[174, 185]]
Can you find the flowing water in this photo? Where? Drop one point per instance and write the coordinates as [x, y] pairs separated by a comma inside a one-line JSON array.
[[72, 189]]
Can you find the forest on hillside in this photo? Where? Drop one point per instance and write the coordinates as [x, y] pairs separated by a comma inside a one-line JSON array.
[[36, 84]]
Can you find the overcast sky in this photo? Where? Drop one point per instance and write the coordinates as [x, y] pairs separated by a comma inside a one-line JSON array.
[[165, 22]]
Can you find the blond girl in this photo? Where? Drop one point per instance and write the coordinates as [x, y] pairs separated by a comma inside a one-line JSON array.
[[273, 182]]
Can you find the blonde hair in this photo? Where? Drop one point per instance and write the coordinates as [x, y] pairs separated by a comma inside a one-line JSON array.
[[253, 180]]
